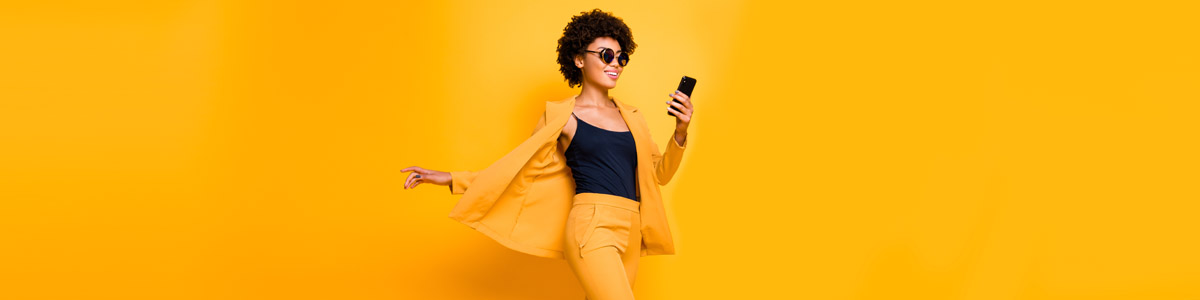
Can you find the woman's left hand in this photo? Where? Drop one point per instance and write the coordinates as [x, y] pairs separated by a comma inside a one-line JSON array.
[[682, 111]]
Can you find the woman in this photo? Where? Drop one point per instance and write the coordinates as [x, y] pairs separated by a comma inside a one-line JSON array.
[[584, 187]]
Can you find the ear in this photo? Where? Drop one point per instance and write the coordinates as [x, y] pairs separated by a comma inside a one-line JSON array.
[[579, 61]]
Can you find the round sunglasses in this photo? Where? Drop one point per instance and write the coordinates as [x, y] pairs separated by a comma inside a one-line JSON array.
[[607, 55]]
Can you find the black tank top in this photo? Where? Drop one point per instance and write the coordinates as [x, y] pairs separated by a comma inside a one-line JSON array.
[[603, 161]]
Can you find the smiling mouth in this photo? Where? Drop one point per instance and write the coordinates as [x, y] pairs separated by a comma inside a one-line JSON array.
[[611, 74]]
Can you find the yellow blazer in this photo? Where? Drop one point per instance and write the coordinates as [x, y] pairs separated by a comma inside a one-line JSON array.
[[522, 200]]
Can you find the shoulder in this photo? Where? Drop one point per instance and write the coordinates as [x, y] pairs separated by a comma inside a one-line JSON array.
[[568, 102], [625, 106], [559, 108], [561, 101]]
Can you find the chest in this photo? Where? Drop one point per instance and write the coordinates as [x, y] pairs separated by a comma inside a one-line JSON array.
[[609, 120]]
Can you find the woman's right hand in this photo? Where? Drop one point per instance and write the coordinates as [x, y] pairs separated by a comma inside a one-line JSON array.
[[421, 175]]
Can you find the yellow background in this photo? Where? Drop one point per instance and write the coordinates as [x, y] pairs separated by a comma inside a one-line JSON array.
[[857, 150]]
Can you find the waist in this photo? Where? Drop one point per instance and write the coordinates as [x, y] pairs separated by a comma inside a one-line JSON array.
[[608, 200]]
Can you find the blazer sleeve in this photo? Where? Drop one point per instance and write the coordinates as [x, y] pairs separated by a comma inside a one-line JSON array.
[[460, 181], [666, 163]]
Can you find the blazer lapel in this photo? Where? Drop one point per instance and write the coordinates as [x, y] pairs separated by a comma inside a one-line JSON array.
[[641, 142]]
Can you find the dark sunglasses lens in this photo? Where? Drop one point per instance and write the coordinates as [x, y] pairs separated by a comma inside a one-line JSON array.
[[623, 59], [607, 55]]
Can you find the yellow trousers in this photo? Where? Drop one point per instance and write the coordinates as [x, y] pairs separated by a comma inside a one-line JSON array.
[[603, 244]]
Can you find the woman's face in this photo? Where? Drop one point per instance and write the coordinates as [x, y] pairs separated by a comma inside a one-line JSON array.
[[595, 71]]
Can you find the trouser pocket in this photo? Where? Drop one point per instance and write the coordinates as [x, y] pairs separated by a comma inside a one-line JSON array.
[[598, 225]]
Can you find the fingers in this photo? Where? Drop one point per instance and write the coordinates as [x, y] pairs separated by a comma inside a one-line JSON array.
[[409, 179], [413, 178], [413, 181], [687, 100], [679, 107], [681, 116]]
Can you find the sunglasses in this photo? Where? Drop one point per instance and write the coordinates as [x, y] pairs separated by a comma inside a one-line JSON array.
[[607, 55]]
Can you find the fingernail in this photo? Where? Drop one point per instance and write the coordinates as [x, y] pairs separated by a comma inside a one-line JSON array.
[[418, 176], [678, 92]]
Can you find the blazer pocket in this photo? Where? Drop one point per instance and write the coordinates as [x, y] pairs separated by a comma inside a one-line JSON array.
[[585, 223]]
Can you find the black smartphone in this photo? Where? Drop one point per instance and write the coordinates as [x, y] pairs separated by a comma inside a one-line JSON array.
[[685, 85]]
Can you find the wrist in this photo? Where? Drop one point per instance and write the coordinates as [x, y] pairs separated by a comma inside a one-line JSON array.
[[680, 136]]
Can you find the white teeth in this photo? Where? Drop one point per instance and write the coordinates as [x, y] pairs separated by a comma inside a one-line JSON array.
[[611, 73]]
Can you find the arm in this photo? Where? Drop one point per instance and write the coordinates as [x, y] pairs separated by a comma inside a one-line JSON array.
[[461, 180], [665, 164]]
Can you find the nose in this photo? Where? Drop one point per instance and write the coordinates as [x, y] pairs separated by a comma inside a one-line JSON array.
[[615, 63]]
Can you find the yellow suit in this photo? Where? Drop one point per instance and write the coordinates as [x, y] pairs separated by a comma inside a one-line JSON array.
[[522, 200]]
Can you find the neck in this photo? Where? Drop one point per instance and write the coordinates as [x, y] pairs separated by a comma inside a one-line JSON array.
[[594, 96]]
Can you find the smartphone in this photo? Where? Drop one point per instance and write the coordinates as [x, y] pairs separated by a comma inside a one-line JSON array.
[[685, 85]]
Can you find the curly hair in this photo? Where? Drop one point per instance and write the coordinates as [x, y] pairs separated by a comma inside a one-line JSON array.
[[581, 31]]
